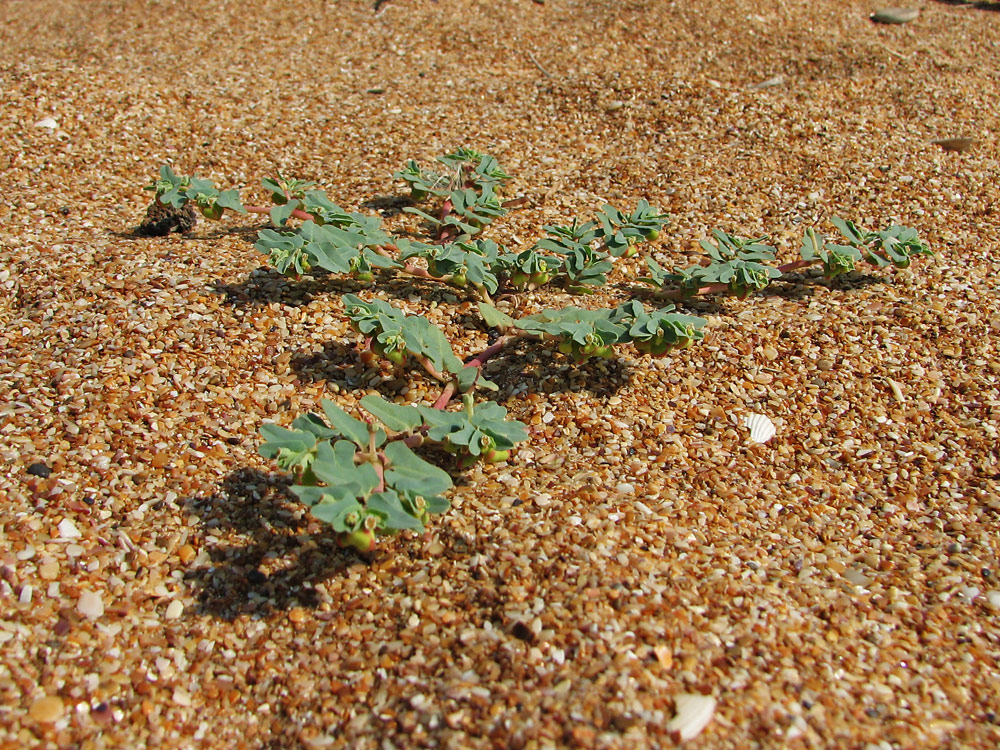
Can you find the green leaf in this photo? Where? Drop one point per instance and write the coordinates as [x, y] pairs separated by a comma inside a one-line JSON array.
[[281, 214], [315, 426], [425, 339], [335, 512], [231, 199], [468, 377], [388, 505], [336, 467], [422, 215], [292, 449], [494, 318], [408, 473], [353, 429], [396, 417], [437, 504]]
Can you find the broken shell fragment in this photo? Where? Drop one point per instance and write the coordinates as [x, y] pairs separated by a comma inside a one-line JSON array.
[[963, 143], [693, 712]]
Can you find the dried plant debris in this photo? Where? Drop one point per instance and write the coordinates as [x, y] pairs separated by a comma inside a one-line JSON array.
[[161, 219]]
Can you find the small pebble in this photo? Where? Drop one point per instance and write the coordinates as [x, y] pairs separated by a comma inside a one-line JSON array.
[[993, 599], [855, 576], [174, 610], [435, 548], [954, 144], [47, 709], [186, 553], [90, 605], [49, 571], [770, 83], [895, 15], [68, 530], [39, 469]]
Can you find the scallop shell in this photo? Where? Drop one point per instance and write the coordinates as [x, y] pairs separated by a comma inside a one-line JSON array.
[[761, 428]]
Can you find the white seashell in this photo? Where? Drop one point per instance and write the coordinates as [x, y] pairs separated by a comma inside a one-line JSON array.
[[761, 428], [47, 122], [694, 711], [68, 530], [897, 390]]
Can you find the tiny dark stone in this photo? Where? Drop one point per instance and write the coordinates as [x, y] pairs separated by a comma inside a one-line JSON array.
[[522, 632], [102, 713], [517, 502], [256, 577], [158, 505], [61, 627], [88, 500], [128, 353], [39, 469], [65, 210]]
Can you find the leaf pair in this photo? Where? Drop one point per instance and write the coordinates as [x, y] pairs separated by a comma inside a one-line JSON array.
[[338, 250], [586, 333], [416, 335], [174, 190], [348, 472]]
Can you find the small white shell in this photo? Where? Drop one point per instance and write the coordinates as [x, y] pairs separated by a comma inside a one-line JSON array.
[[694, 711], [47, 122], [761, 428]]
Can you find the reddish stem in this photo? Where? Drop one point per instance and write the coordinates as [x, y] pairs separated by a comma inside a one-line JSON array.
[[795, 265], [714, 288], [489, 352], [445, 397], [444, 231], [297, 213], [478, 361], [380, 471]]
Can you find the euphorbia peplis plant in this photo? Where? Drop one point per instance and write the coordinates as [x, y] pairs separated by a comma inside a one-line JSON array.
[[364, 476]]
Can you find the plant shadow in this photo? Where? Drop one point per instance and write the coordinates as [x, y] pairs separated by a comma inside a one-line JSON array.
[[978, 4], [265, 286], [136, 233], [551, 372], [336, 363], [387, 205], [284, 552], [250, 578]]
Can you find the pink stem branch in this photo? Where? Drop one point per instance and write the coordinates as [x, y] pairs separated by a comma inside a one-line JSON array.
[[715, 288], [297, 213]]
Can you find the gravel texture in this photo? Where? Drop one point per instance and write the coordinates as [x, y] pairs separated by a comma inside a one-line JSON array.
[[834, 587]]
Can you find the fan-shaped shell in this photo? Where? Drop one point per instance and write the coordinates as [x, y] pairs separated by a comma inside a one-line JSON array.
[[761, 428]]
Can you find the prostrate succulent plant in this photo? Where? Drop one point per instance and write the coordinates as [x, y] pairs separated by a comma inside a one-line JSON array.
[[365, 477]]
